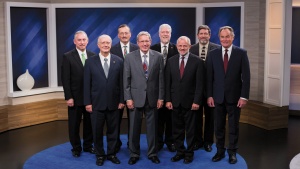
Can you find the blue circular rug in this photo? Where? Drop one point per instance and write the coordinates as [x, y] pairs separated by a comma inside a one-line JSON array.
[[60, 156]]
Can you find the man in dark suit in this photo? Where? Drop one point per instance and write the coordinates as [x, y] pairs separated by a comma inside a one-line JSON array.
[[121, 49], [103, 97], [201, 49], [143, 93], [72, 80], [228, 85], [168, 50], [184, 89]]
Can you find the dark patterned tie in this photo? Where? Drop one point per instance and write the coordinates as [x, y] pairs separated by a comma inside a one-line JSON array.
[[225, 60], [203, 53], [125, 50], [181, 67], [165, 53], [145, 66]]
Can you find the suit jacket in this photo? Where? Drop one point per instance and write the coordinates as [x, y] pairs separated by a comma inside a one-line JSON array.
[[172, 49], [195, 48], [117, 49], [186, 90], [72, 76], [99, 91], [233, 84], [136, 86]]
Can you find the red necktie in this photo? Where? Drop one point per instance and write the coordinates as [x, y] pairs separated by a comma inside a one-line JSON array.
[[181, 66], [225, 60]]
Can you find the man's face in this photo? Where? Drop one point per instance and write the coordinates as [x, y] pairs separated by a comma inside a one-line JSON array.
[[81, 41], [144, 43], [226, 38], [165, 35], [124, 35], [203, 36], [183, 47], [104, 45]]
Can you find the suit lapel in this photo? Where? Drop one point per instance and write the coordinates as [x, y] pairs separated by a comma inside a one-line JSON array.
[[151, 62], [138, 61], [111, 65], [98, 63], [77, 58]]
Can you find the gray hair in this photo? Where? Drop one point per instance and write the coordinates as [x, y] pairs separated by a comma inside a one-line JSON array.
[[227, 27], [165, 26], [185, 38], [143, 33], [104, 36], [80, 32]]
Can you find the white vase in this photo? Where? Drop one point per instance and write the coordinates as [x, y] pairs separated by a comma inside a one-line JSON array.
[[25, 81]]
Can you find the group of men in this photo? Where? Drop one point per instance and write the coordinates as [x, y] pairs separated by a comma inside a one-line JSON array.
[[169, 85]]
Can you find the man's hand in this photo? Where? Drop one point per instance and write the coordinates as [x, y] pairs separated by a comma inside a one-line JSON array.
[[169, 105], [210, 102], [130, 104], [195, 106], [89, 108], [70, 102], [241, 103], [159, 103], [121, 106]]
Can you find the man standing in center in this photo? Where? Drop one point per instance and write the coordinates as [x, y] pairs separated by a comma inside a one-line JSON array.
[[201, 49], [184, 88], [168, 50], [143, 92], [121, 49]]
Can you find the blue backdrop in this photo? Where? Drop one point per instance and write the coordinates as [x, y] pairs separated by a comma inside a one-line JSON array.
[[97, 21], [29, 44]]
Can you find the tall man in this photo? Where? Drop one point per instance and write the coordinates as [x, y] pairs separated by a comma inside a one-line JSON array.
[[72, 80], [121, 49], [201, 49], [168, 50], [184, 89], [103, 97], [228, 85], [144, 93]]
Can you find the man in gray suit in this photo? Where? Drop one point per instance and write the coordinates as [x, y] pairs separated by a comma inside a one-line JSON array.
[[143, 92]]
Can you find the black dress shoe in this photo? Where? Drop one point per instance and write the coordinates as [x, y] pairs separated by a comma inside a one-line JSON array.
[[187, 160], [90, 150], [154, 159], [218, 157], [100, 161], [171, 148], [177, 158], [133, 160], [114, 159], [232, 158], [207, 147], [197, 146], [75, 153]]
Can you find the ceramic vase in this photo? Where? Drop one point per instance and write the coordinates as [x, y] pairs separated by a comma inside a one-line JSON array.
[[25, 81]]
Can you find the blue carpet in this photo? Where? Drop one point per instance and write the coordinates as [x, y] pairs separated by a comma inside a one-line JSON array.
[[60, 156]]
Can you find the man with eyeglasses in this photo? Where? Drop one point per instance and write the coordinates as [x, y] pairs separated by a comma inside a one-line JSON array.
[[144, 93]]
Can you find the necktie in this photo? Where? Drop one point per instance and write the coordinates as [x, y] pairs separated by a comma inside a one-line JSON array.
[[203, 53], [125, 50], [82, 59], [105, 67], [181, 66], [225, 60], [145, 66], [165, 53]]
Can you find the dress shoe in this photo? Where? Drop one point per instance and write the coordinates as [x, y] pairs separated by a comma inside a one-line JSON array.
[[133, 160], [90, 150], [177, 158], [218, 157], [207, 148], [100, 161], [171, 148], [232, 158], [154, 159], [75, 153], [197, 146], [187, 160], [114, 159]]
